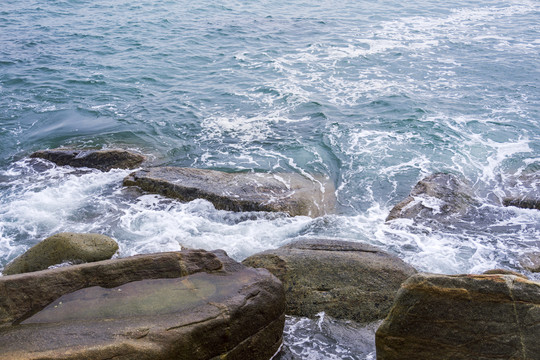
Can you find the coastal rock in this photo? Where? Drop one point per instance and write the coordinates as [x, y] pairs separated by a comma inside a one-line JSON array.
[[63, 247], [290, 193], [531, 261], [438, 196], [180, 305], [344, 279], [462, 317], [24, 294], [523, 191], [504, 272], [104, 160]]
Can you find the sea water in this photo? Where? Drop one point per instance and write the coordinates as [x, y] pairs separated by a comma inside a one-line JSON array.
[[371, 95]]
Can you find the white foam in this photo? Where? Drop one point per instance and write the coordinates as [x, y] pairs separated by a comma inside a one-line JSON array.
[[159, 223]]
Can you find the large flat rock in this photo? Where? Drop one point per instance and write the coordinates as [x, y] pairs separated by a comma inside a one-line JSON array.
[[290, 193], [346, 280], [191, 304], [463, 317], [199, 316], [21, 295]]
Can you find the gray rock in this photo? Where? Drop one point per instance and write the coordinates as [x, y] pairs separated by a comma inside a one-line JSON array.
[[290, 193], [438, 196], [104, 160], [182, 305], [523, 191], [462, 317], [531, 261], [63, 247], [346, 280]]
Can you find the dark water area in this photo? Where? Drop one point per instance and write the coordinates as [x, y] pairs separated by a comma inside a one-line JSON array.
[[371, 96]]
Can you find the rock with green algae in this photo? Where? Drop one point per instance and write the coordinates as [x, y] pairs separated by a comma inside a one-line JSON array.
[[463, 317], [63, 247], [290, 193], [104, 160], [346, 280], [191, 304]]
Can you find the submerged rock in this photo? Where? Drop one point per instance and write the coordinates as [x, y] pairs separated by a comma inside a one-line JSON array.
[[63, 247], [104, 160], [523, 191], [290, 193], [462, 317], [438, 196], [346, 280], [531, 261], [191, 304]]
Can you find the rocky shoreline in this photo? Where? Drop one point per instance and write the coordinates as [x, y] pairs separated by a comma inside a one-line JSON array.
[[200, 304]]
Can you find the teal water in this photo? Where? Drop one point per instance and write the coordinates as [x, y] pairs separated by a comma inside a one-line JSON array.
[[372, 95]]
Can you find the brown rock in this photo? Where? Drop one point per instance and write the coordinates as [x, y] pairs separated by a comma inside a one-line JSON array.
[[22, 295], [462, 317], [63, 247], [346, 280], [226, 311], [290, 193], [104, 160], [504, 272]]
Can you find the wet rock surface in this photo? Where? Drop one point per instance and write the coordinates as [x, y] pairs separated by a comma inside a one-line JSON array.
[[523, 191], [104, 160], [191, 304], [290, 193], [531, 261], [346, 280], [25, 294], [439, 196], [462, 317], [63, 247]]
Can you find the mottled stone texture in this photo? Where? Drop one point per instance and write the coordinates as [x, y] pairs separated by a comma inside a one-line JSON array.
[[104, 160], [346, 280], [463, 317], [290, 193], [63, 247], [191, 304]]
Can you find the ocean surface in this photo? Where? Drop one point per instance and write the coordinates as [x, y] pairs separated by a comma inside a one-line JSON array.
[[372, 95]]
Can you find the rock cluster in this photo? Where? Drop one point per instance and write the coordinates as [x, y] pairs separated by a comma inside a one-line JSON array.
[[346, 280], [196, 304], [182, 305], [63, 247]]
